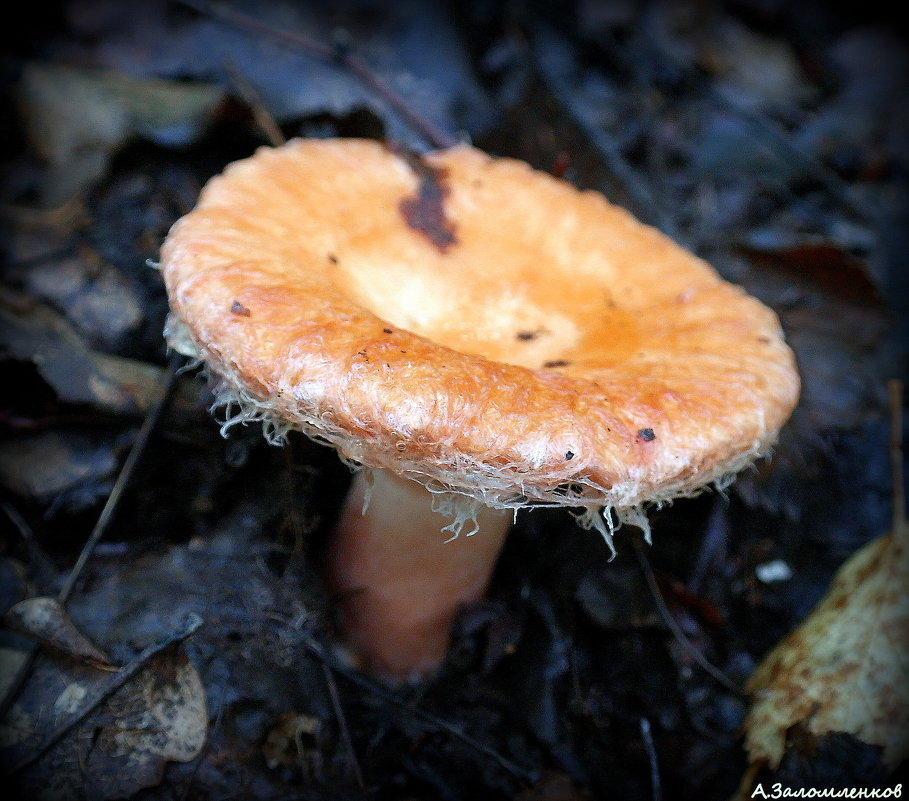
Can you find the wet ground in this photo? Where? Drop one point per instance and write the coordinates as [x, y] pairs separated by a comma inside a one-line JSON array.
[[770, 140]]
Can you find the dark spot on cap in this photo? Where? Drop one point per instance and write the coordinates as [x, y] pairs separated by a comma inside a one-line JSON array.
[[238, 308], [528, 336], [332, 258], [646, 434], [569, 455], [387, 331], [556, 363], [425, 211]]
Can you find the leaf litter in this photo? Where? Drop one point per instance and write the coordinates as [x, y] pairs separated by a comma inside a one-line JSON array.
[[844, 669], [544, 694]]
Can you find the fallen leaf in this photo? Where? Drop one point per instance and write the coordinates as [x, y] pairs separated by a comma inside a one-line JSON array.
[[33, 332], [99, 301], [46, 621], [844, 668], [438, 81], [123, 746], [76, 118], [160, 717], [294, 742], [11, 662], [60, 467]]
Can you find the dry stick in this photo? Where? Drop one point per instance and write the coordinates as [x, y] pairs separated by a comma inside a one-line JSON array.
[[338, 53], [342, 724], [895, 392], [656, 792], [363, 683], [761, 125], [35, 551], [126, 473], [677, 632], [215, 726], [100, 528], [119, 679], [261, 115], [560, 87]]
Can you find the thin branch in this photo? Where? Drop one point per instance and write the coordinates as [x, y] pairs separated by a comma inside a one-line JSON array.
[[126, 473], [713, 544], [118, 680], [656, 792], [261, 115], [35, 551], [895, 391], [18, 679], [342, 724], [455, 731], [336, 53], [557, 80], [677, 632]]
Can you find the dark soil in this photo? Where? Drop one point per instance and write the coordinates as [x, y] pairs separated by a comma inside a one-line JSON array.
[[769, 138]]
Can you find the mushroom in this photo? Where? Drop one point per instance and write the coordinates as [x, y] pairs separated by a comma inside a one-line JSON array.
[[477, 337]]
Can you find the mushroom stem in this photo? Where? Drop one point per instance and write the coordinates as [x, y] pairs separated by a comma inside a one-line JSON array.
[[399, 580]]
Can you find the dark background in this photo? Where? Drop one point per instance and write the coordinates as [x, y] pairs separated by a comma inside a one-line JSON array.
[[767, 137]]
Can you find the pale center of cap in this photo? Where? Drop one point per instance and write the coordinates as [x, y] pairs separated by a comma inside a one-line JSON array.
[[526, 315]]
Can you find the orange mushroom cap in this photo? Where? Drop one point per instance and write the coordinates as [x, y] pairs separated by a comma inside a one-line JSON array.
[[474, 324]]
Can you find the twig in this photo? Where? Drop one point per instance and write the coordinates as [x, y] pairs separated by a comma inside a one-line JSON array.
[[656, 792], [126, 472], [337, 53], [35, 552], [895, 392], [200, 758], [361, 681], [769, 132], [261, 115], [119, 679], [761, 125], [342, 724], [677, 632], [560, 87], [713, 545]]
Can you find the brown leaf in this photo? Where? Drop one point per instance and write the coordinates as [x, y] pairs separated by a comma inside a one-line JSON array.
[[57, 464], [46, 621], [161, 716], [34, 332], [844, 669], [76, 118], [122, 746], [295, 741]]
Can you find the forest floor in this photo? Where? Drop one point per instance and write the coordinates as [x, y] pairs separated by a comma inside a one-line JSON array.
[[769, 138]]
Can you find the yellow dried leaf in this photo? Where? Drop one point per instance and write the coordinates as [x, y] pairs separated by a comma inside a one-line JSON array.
[[846, 667]]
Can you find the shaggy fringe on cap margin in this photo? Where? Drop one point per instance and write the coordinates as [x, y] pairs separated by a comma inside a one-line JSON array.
[[457, 494]]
